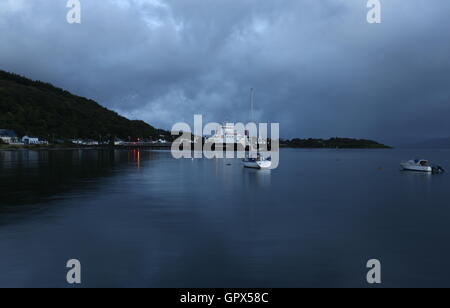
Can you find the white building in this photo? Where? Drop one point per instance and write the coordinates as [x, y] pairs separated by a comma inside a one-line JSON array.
[[227, 134], [85, 142], [8, 136], [91, 142], [5, 139], [30, 140]]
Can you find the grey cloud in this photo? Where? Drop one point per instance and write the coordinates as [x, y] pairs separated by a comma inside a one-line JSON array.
[[317, 66]]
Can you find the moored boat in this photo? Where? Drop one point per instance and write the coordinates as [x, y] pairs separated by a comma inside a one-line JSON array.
[[257, 163], [421, 165]]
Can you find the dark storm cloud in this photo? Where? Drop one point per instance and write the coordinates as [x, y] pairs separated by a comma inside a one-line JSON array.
[[317, 66]]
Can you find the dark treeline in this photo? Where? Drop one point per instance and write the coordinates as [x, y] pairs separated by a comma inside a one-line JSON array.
[[342, 143], [42, 110]]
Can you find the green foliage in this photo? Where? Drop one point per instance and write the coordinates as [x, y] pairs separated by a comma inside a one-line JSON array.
[[40, 109], [342, 143]]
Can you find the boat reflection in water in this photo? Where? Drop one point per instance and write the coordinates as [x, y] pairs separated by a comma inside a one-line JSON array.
[[257, 177]]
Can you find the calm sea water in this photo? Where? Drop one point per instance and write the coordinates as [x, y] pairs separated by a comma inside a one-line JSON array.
[[143, 219]]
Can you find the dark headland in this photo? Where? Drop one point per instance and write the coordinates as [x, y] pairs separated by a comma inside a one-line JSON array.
[[332, 143], [35, 108]]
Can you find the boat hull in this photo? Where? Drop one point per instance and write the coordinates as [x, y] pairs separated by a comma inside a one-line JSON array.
[[257, 164], [407, 167]]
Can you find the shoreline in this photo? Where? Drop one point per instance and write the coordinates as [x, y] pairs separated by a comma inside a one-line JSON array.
[[16, 148], [47, 147]]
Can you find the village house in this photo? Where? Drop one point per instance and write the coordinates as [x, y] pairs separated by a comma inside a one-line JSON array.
[[33, 141], [30, 140], [6, 139], [8, 136], [91, 142], [85, 142], [118, 142]]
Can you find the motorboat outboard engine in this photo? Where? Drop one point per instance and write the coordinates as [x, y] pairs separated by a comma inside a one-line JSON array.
[[438, 169]]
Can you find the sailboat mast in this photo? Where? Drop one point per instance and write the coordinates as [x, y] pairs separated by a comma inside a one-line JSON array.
[[251, 104]]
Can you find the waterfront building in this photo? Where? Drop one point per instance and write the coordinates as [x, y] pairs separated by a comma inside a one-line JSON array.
[[30, 140], [8, 136], [227, 134]]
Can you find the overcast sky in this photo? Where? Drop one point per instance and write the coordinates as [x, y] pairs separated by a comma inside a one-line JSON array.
[[318, 67]]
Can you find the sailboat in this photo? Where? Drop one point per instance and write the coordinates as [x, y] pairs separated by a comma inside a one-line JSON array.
[[259, 162]]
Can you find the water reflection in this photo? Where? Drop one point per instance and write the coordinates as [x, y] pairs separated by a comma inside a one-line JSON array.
[[419, 181], [134, 156], [257, 178], [161, 222], [34, 176]]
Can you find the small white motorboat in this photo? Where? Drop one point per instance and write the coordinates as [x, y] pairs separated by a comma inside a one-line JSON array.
[[257, 163], [421, 165], [417, 165]]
